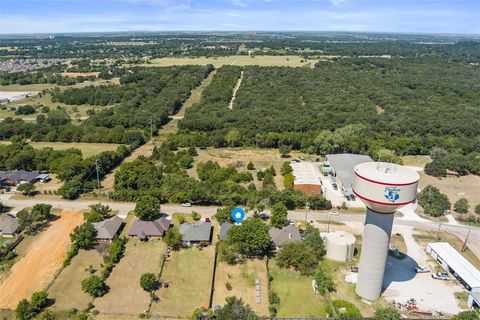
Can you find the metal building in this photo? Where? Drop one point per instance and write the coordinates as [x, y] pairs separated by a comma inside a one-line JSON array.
[[340, 246]]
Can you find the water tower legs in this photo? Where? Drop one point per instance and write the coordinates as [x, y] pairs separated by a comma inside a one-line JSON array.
[[376, 238]]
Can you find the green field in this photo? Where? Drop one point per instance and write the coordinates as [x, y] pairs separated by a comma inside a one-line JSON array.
[[239, 60]]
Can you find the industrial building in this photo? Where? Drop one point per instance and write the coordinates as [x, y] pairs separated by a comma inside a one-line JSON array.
[[340, 246], [454, 263], [341, 166], [306, 178]]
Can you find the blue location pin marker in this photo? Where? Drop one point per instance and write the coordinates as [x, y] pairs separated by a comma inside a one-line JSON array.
[[238, 215]]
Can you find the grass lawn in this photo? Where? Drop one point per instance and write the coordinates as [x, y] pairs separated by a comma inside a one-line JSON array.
[[125, 295], [242, 278], [67, 289], [189, 275], [238, 60], [297, 298]]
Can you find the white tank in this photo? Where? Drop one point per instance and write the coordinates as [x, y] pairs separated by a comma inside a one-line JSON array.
[[340, 246], [383, 187]]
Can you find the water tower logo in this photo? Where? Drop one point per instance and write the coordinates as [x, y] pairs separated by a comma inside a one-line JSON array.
[[392, 194]]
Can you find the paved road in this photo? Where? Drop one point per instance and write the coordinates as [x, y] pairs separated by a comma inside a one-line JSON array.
[[125, 207]]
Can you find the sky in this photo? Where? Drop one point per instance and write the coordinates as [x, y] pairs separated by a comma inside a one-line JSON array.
[[406, 16]]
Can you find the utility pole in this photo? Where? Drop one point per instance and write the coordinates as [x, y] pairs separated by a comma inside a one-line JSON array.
[[306, 210], [466, 240], [438, 232], [98, 175]]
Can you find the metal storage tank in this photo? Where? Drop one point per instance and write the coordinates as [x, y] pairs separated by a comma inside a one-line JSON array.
[[383, 187], [340, 246]]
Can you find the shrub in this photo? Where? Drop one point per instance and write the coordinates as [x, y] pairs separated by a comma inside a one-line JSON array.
[[94, 286], [250, 166], [228, 285], [387, 314], [461, 205], [344, 310], [196, 216], [148, 282]]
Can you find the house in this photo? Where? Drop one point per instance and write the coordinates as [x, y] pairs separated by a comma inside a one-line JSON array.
[[196, 233], [284, 235], [8, 225], [306, 178], [149, 229], [107, 229], [341, 166], [15, 177], [224, 227]]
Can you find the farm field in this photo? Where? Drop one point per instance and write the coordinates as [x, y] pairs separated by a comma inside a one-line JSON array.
[[189, 275], [125, 296], [242, 277], [67, 288], [45, 256], [297, 298], [238, 60]]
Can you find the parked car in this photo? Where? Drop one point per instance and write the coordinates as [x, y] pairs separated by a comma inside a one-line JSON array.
[[420, 269], [440, 276], [334, 213], [186, 204]]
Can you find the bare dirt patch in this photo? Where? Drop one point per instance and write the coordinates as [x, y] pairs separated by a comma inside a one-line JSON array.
[[455, 187], [43, 259]]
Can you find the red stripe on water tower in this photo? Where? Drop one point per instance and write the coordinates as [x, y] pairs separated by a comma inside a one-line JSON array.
[[382, 203], [384, 183]]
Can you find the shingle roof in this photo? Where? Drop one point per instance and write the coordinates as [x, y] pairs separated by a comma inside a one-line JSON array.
[[282, 236], [143, 229], [107, 229], [8, 224], [19, 175], [196, 232], [343, 164], [224, 230]]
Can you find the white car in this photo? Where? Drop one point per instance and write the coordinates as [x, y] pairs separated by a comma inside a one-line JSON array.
[[186, 204], [420, 269], [440, 276], [334, 213]]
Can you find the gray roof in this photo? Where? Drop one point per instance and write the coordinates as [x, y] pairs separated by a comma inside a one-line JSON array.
[[108, 228], [224, 230], [475, 296], [196, 232], [343, 164], [144, 229], [19, 175], [282, 236], [8, 224]]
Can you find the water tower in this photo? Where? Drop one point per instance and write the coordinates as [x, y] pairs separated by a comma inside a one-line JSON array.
[[383, 187]]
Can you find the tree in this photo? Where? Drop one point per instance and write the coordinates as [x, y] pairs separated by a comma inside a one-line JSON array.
[[284, 151], [192, 151], [313, 240], [97, 213], [236, 309], [477, 209], [148, 282], [147, 208], [196, 216], [436, 168], [250, 166], [25, 220], [433, 201], [94, 286], [39, 301], [41, 212], [286, 168], [27, 189], [83, 235], [467, 315], [387, 314], [279, 215], [297, 255], [318, 202], [288, 181], [173, 238], [24, 310], [251, 238], [461, 205], [324, 279], [224, 214]]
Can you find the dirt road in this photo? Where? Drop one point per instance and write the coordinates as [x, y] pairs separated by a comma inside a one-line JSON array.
[[34, 271]]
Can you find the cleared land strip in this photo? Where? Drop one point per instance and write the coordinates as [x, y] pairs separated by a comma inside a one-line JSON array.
[[237, 86], [43, 259]]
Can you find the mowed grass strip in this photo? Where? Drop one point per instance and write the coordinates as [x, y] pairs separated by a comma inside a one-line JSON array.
[[125, 295], [238, 60], [297, 298], [67, 288], [189, 275], [242, 278]]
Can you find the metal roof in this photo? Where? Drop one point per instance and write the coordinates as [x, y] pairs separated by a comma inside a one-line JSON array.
[[343, 164], [458, 263], [305, 173]]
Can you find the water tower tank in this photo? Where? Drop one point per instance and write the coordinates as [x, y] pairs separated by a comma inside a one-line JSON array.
[[383, 187], [340, 246]]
